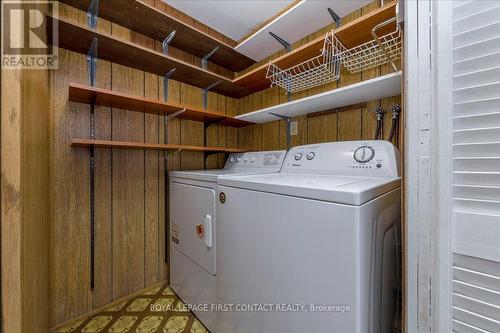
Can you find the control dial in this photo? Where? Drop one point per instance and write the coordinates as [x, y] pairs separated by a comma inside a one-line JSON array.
[[364, 154], [310, 156]]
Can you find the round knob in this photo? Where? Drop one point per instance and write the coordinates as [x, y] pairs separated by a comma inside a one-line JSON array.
[[231, 159], [272, 159], [310, 156], [298, 156], [238, 159], [245, 159], [253, 160], [364, 154]]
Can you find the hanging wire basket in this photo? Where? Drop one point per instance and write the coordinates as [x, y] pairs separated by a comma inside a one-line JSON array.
[[376, 52], [311, 73]]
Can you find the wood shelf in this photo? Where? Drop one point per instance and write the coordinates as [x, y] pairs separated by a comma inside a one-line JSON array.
[[145, 145], [105, 97], [381, 87], [256, 80], [133, 14], [78, 38], [351, 34], [359, 31]]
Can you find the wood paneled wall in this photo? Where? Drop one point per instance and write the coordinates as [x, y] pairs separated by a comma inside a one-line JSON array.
[[350, 125], [129, 193], [25, 202]]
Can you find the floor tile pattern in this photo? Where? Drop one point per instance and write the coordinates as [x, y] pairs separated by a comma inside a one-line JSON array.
[[156, 310]]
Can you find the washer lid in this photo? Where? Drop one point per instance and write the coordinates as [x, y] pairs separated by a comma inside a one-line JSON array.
[[212, 175], [339, 189]]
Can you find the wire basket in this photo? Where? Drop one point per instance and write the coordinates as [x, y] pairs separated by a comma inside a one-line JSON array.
[[376, 52], [311, 73]]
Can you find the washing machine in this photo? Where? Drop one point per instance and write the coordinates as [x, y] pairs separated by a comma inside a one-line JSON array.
[[313, 247], [193, 221]]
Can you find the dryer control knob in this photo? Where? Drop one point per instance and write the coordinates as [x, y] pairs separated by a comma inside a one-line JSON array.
[[253, 159], [310, 156], [298, 156]]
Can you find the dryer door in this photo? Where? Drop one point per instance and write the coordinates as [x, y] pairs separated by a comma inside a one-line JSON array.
[[192, 223]]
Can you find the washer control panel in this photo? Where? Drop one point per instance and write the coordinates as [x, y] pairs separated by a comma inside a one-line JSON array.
[[363, 158], [264, 159]]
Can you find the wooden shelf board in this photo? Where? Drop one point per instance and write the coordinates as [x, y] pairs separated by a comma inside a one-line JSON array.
[[78, 38], [105, 97], [359, 31], [381, 87], [145, 145], [351, 34], [256, 80], [134, 14]]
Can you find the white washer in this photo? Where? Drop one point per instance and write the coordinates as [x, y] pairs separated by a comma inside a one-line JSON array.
[[320, 232], [193, 222]]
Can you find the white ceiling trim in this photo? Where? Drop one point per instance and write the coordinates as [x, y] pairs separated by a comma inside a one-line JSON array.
[[272, 22]]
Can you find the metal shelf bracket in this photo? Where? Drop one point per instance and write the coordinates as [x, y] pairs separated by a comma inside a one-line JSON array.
[[335, 17], [205, 93], [92, 61], [93, 14], [166, 42], [176, 113], [206, 57], [167, 77], [288, 121], [283, 42]]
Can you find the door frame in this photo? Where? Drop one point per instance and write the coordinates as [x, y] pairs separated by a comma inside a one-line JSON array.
[[428, 122]]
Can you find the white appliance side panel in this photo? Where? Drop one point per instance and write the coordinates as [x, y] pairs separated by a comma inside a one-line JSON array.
[[190, 206], [194, 286], [380, 221], [287, 250]]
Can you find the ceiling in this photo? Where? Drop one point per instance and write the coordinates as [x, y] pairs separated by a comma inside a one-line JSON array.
[[233, 18]]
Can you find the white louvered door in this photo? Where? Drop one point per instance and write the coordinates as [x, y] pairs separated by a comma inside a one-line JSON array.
[[475, 216]]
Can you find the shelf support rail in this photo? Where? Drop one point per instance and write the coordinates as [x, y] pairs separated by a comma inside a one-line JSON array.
[[166, 78], [206, 57], [92, 71], [205, 93], [288, 121], [166, 42], [93, 14]]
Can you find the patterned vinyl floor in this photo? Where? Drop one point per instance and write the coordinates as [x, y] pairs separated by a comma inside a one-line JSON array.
[[157, 310]]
